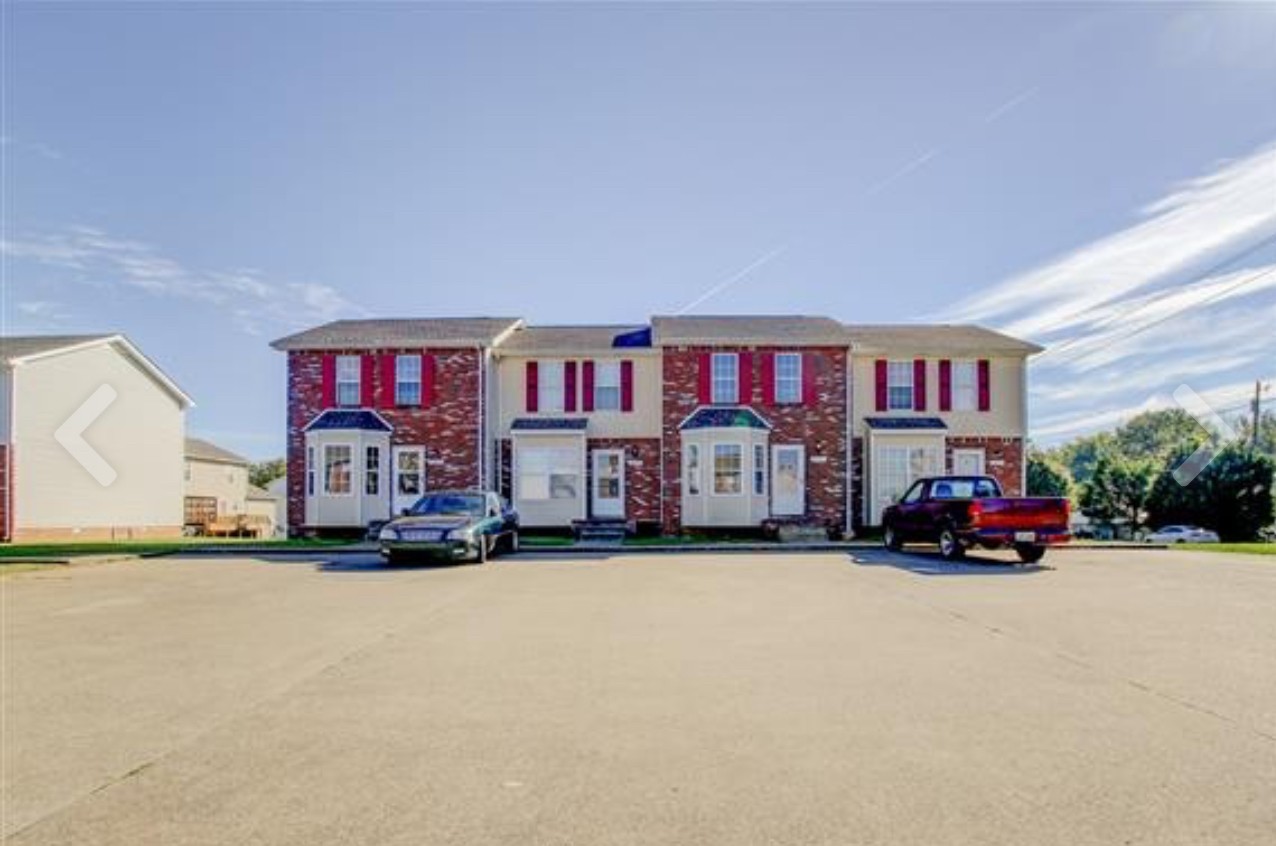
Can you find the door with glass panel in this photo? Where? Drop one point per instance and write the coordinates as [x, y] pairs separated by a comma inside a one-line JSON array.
[[607, 494], [788, 480], [409, 478]]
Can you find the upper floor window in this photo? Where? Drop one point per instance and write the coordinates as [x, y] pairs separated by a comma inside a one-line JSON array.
[[407, 380], [788, 377], [607, 386], [899, 385], [965, 386], [726, 378], [348, 372], [549, 386]]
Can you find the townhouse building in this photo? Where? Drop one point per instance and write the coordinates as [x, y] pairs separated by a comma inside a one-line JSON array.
[[679, 423]]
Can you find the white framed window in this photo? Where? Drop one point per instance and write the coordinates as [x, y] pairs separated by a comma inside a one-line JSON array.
[[900, 466], [725, 383], [788, 377], [899, 385], [728, 469], [691, 468], [407, 380], [965, 385], [607, 386], [310, 471], [337, 468], [349, 370], [372, 471], [549, 386], [548, 473], [759, 470]]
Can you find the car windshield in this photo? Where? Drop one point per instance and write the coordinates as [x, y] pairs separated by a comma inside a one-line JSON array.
[[468, 504], [963, 489]]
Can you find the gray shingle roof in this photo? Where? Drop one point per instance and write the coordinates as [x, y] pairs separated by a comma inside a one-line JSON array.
[[549, 424], [20, 346], [431, 332], [937, 338], [572, 339], [797, 330], [905, 423], [202, 450]]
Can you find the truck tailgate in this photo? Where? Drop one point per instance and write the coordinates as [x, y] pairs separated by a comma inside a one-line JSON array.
[[1021, 513]]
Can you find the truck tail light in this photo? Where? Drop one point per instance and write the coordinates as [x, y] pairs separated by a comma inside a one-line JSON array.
[[976, 512]]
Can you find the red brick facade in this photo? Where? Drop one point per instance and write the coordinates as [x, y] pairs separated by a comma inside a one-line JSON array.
[[448, 426], [1003, 459], [820, 427]]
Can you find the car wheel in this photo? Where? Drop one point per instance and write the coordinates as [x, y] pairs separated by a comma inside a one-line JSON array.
[[950, 548], [481, 557], [512, 544], [890, 539], [1030, 553]]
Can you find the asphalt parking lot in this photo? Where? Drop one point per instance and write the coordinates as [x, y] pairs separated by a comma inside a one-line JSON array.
[[1117, 697]]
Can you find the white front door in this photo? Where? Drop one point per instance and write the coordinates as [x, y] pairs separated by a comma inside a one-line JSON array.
[[788, 480], [968, 462], [409, 478], [607, 494]]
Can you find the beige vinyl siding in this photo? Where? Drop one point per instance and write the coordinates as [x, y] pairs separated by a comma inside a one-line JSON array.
[[228, 483], [545, 512], [642, 422], [141, 435], [1006, 382]]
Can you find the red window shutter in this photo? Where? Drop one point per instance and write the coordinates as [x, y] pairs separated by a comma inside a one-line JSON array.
[[744, 374], [882, 404], [768, 378], [388, 374], [328, 381], [985, 388], [429, 379], [569, 386], [587, 386], [945, 385], [919, 384], [809, 397], [626, 386], [533, 388], [367, 372], [706, 378]]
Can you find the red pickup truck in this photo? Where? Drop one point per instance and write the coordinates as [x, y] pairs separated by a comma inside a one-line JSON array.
[[960, 512]]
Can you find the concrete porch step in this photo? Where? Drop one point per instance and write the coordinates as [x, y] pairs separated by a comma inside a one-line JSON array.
[[794, 533]]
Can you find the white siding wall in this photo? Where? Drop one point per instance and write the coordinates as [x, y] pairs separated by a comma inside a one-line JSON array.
[[141, 435], [1006, 383], [643, 422]]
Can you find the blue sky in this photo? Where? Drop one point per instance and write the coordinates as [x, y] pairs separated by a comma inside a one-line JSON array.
[[206, 178]]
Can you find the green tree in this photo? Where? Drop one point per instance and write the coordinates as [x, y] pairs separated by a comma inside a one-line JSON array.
[[1046, 477], [1117, 489], [262, 473], [1156, 435], [1232, 495], [1266, 432], [1082, 455]]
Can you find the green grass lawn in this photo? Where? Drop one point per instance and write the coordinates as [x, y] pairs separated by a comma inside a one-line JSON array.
[[1244, 548], [65, 550]]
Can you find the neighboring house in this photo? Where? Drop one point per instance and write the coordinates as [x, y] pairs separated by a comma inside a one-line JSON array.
[[930, 400], [216, 482], [689, 422], [50, 495], [379, 411], [265, 508], [278, 490]]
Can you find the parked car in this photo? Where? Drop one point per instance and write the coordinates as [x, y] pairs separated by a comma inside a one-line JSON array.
[[1181, 534], [456, 525], [960, 512]]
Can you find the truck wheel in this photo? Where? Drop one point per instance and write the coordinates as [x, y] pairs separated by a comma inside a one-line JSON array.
[[890, 539], [950, 548], [1030, 553]]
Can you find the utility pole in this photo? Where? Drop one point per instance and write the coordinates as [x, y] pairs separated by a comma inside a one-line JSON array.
[[1258, 401]]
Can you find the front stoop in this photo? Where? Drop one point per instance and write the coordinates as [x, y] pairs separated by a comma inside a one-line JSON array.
[[601, 533], [798, 533]]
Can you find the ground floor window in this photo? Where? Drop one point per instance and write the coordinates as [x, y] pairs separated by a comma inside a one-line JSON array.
[[372, 471], [310, 471], [728, 469], [759, 470], [548, 473], [691, 469], [337, 460], [899, 466]]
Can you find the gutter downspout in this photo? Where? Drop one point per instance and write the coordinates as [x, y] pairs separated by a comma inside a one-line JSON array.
[[848, 444], [482, 412]]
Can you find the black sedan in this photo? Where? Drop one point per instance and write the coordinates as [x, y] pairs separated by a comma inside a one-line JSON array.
[[461, 525]]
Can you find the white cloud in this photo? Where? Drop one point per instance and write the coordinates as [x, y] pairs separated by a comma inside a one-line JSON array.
[[252, 301]]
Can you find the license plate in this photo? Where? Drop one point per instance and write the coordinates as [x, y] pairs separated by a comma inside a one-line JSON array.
[[423, 535], [1025, 537]]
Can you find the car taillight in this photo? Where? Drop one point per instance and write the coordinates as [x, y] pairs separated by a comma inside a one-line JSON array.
[[976, 512]]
